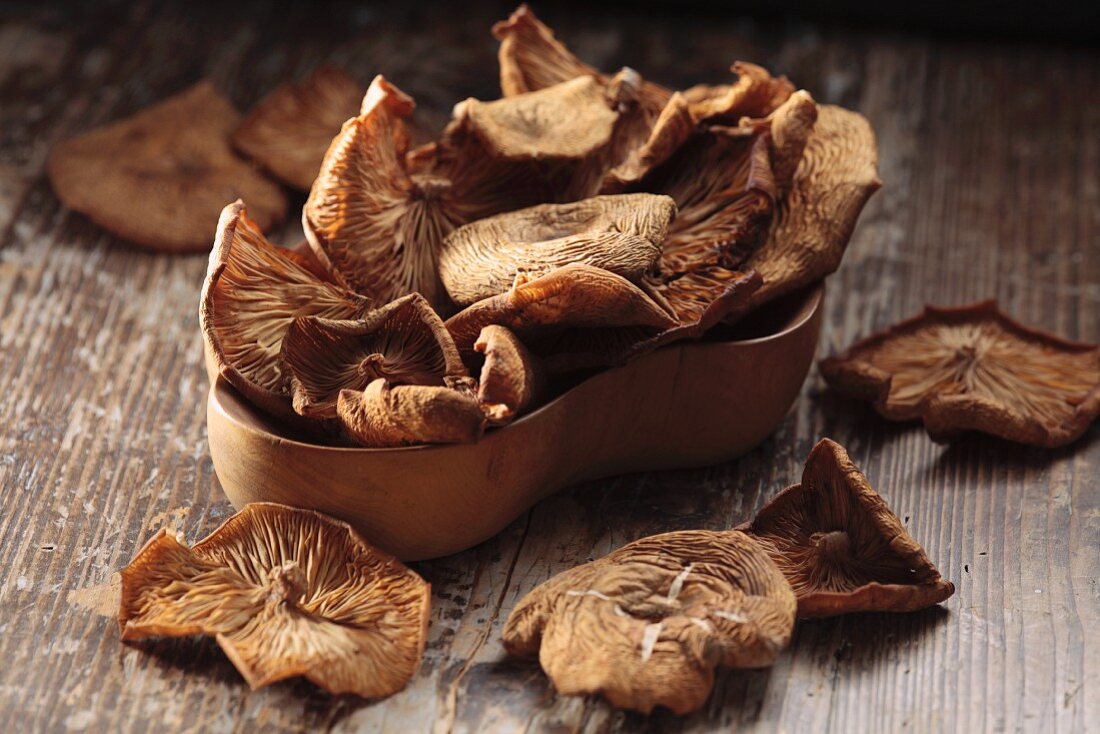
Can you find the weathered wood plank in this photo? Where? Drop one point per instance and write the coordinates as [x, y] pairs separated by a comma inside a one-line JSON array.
[[992, 166]]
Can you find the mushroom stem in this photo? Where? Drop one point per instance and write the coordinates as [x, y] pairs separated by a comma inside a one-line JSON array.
[[835, 545], [287, 583]]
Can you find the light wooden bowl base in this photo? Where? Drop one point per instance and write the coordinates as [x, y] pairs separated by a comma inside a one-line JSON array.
[[683, 406]]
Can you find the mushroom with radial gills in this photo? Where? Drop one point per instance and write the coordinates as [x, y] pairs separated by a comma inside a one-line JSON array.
[[621, 234], [289, 130], [972, 368], [405, 342], [512, 378], [252, 294], [385, 415], [368, 217], [646, 625], [159, 177], [841, 547], [286, 593], [833, 180], [575, 296]]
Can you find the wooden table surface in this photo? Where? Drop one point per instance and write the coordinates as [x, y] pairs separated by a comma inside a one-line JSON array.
[[991, 159]]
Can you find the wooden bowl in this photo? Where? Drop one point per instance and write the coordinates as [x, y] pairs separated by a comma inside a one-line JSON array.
[[682, 406]]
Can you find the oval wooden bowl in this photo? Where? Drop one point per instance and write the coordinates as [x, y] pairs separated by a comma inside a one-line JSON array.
[[682, 406]]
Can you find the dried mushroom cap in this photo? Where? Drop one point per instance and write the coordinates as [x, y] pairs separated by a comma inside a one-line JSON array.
[[841, 547], [159, 178], [756, 93], [290, 129], [573, 296], [252, 294], [404, 342], [835, 178], [385, 415], [973, 368], [370, 219], [699, 299], [512, 378], [621, 234], [286, 593], [646, 625], [643, 142]]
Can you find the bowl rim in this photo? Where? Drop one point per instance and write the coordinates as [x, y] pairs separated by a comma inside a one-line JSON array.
[[812, 297]]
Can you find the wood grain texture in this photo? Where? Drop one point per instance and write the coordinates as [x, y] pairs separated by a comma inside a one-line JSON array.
[[991, 160]]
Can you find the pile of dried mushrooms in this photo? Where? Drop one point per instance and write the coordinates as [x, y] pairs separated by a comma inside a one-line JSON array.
[[581, 220]]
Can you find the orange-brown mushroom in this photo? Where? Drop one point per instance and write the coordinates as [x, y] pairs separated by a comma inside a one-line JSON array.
[[841, 547], [973, 368], [252, 294], [289, 130], [385, 415], [404, 342], [160, 177], [286, 593], [512, 378], [646, 625], [621, 234], [814, 221], [371, 219], [575, 296]]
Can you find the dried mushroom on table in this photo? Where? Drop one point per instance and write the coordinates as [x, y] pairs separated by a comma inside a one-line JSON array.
[[972, 368], [285, 593], [646, 625], [589, 217]]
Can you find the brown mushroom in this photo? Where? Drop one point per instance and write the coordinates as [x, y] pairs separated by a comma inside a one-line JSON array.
[[551, 145], [159, 178], [646, 625], [368, 217], [815, 219], [841, 547], [756, 93], [385, 415], [973, 368], [404, 342], [252, 294], [286, 593], [622, 234], [571, 297], [289, 130], [512, 378]]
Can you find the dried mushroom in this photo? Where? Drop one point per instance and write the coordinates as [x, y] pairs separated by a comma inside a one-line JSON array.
[[571, 297], [385, 415], [404, 343], [622, 234], [368, 217], [290, 129], [756, 93], [840, 546], [531, 58], [535, 148], [158, 178], [511, 379], [646, 625], [285, 593], [815, 219], [973, 368], [252, 294]]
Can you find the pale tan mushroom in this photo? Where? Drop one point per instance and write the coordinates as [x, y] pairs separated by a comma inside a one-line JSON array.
[[385, 415], [286, 593], [841, 547], [405, 342], [368, 217], [646, 625], [512, 378], [160, 177], [289, 130], [973, 368], [621, 234], [252, 294]]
